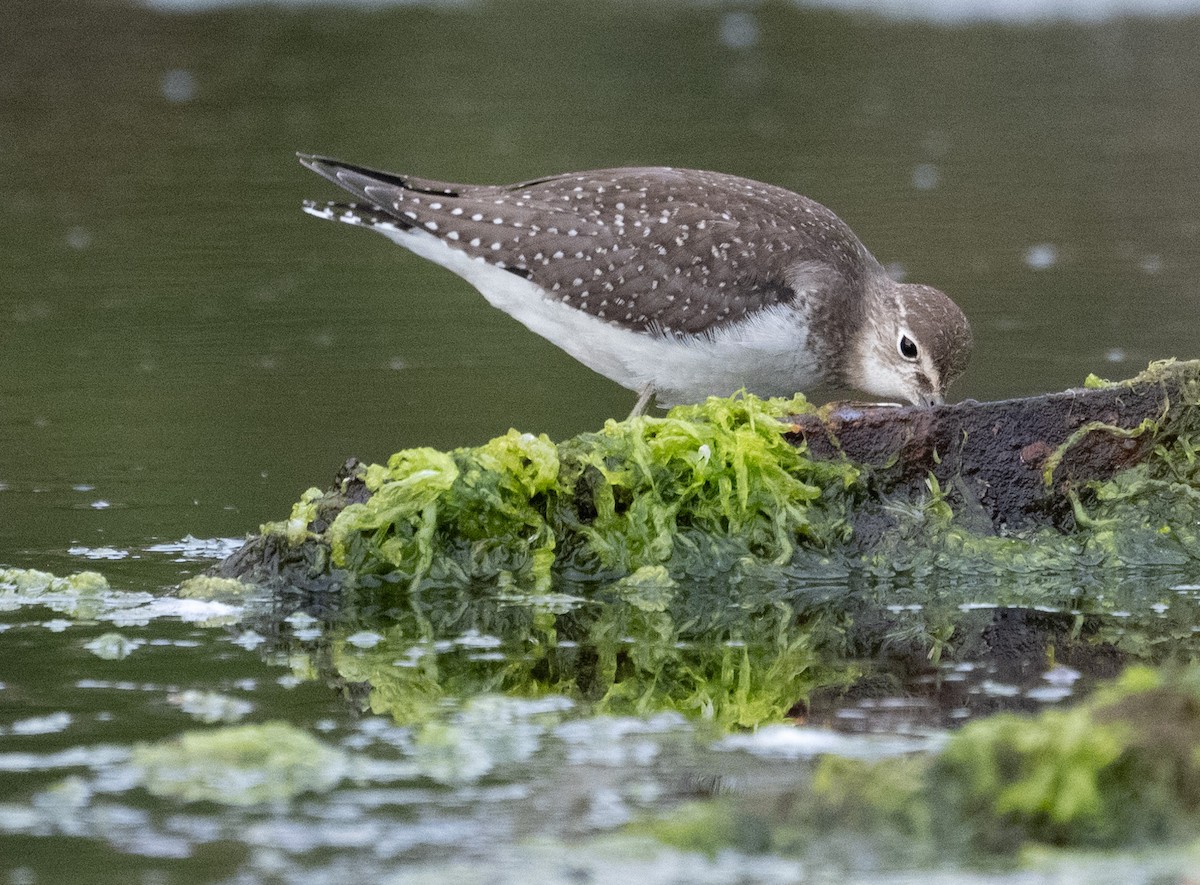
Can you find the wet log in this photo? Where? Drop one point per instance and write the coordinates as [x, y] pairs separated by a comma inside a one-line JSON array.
[[1011, 464]]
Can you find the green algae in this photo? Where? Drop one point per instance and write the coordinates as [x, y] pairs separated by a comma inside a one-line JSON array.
[[693, 492], [1118, 770], [86, 597], [32, 583], [211, 587], [639, 514], [239, 765], [113, 646], [295, 527], [83, 596], [1123, 767]]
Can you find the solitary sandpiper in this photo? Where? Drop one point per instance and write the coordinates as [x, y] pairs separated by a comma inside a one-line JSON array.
[[675, 283]]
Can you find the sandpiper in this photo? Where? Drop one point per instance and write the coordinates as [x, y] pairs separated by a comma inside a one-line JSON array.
[[675, 283]]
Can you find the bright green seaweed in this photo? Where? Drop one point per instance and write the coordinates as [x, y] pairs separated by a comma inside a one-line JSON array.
[[694, 492]]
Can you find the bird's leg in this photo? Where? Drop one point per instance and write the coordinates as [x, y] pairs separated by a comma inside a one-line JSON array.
[[644, 396]]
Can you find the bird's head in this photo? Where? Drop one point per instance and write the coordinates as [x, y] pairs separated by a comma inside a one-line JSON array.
[[913, 343]]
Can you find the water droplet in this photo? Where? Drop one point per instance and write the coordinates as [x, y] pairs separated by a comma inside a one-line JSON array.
[[178, 86], [739, 30], [925, 176], [79, 238], [1041, 256]]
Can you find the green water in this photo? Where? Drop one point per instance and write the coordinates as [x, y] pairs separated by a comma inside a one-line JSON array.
[[182, 352]]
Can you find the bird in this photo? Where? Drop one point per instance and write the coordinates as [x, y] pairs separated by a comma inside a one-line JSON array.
[[678, 284]]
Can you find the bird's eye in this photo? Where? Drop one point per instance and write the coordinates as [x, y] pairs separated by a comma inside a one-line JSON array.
[[908, 348]]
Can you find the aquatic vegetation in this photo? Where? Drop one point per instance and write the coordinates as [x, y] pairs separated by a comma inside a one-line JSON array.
[[1120, 769], [692, 492], [16, 583], [239, 765], [212, 587], [86, 596], [113, 646]]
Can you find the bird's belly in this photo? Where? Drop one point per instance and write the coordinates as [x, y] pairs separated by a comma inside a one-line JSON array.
[[687, 371], [767, 354]]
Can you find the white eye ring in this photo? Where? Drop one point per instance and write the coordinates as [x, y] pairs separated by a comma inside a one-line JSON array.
[[908, 348]]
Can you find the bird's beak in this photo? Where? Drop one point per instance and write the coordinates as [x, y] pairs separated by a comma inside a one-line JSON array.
[[932, 396]]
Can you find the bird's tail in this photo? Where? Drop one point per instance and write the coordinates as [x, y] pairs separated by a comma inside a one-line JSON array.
[[372, 185]]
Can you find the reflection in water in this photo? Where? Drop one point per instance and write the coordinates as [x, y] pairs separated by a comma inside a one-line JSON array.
[[501, 712], [885, 656]]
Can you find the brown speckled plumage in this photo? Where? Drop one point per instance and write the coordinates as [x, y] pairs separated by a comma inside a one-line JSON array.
[[672, 254]]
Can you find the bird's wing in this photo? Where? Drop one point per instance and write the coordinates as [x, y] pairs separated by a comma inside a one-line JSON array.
[[666, 251]]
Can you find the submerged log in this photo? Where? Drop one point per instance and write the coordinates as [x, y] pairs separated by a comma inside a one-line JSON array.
[[1013, 463]]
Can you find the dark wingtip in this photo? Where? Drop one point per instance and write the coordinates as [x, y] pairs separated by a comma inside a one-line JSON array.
[[326, 167], [351, 176], [311, 160]]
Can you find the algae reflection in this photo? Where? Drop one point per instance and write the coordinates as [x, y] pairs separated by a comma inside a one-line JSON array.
[[640, 645], [745, 654]]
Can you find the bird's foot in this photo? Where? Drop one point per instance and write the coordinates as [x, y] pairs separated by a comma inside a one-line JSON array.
[[644, 396]]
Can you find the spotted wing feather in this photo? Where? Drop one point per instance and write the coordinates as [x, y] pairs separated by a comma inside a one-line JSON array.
[[666, 251]]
